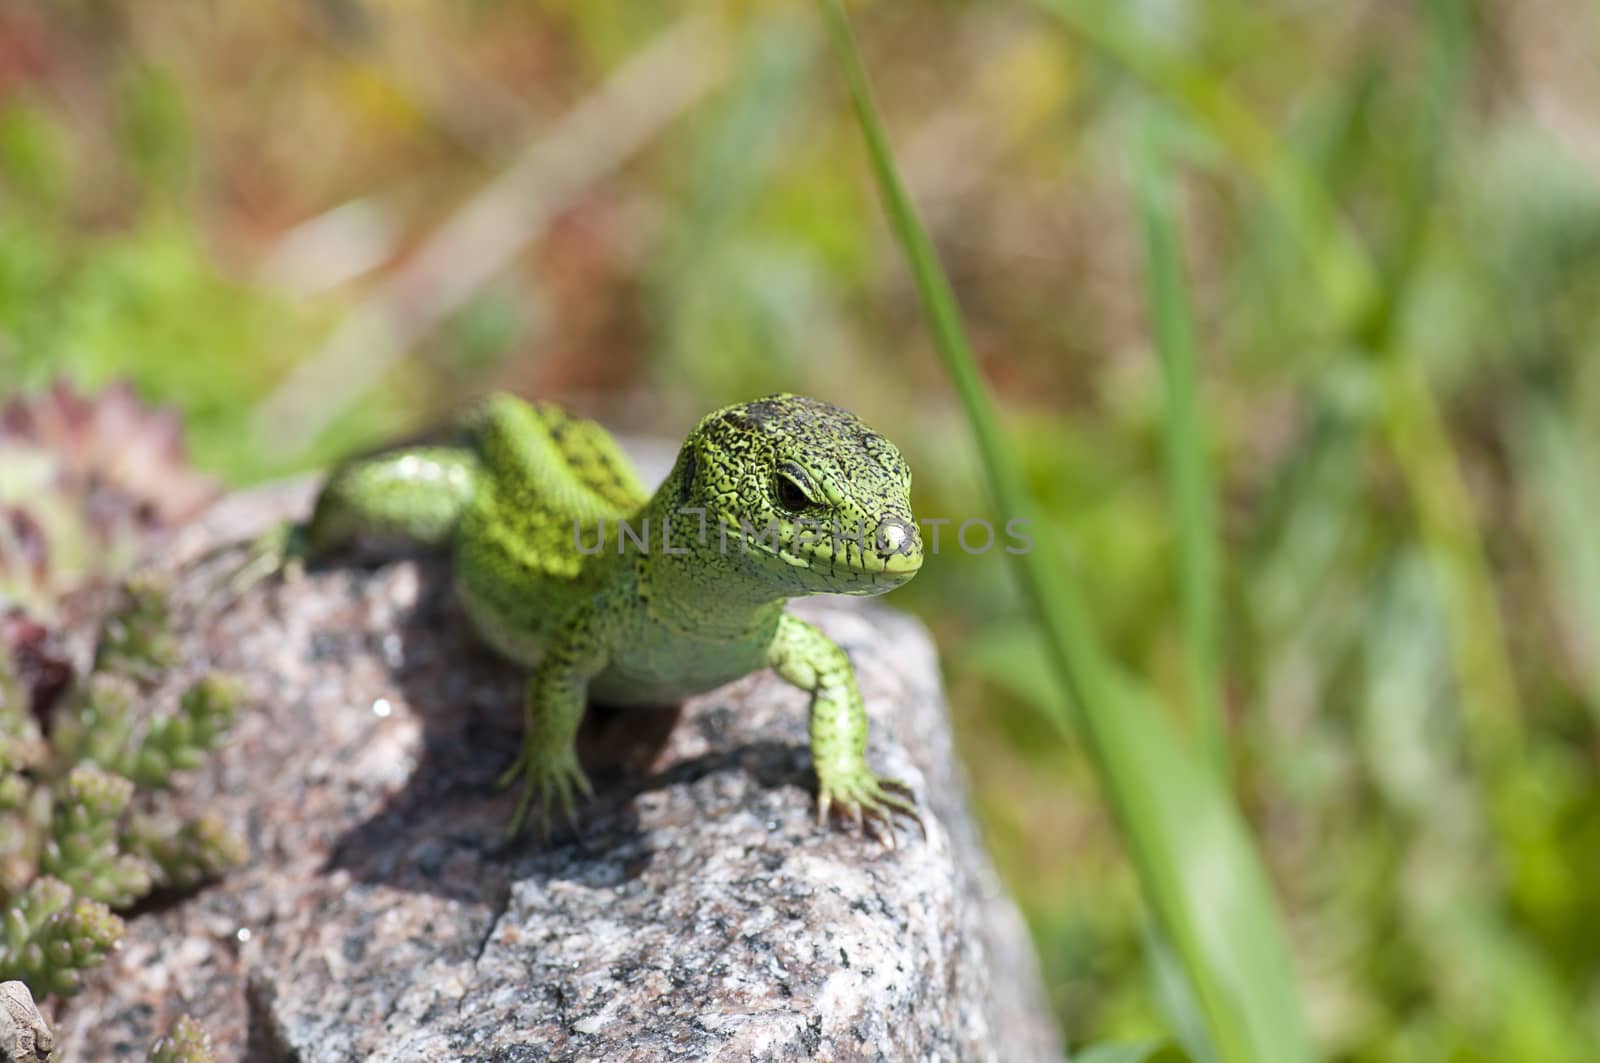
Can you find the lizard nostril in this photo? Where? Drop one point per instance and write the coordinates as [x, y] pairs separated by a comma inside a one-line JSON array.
[[894, 536]]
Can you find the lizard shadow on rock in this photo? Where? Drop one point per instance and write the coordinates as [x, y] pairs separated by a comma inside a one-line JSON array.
[[443, 832]]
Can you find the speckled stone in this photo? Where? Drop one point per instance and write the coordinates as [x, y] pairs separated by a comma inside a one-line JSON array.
[[699, 914]]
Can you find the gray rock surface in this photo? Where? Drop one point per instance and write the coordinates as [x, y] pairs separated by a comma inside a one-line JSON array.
[[700, 913], [24, 1035]]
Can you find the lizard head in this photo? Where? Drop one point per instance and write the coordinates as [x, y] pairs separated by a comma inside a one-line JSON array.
[[812, 499]]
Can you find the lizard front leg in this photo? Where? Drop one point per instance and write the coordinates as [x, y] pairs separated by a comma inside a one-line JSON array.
[[552, 710], [804, 656]]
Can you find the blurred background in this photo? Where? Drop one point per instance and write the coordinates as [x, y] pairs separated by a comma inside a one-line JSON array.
[[308, 226]]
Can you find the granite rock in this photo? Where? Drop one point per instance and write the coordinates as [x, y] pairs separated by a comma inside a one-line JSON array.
[[24, 1035], [700, 912]]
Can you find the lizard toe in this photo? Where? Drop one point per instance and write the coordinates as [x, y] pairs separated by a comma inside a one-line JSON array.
[[871, 804], [558, 787]]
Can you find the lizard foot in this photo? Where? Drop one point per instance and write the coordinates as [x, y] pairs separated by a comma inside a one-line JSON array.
[[556, 781], [868, 800], [281, 550]]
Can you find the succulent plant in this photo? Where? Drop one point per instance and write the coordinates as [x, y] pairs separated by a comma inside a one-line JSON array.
[[79, 835], [135, 641], [84, 481], [52, 935], [186, 1042], [40, 671]]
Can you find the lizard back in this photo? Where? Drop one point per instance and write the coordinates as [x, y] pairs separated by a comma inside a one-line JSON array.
[[549, 479]]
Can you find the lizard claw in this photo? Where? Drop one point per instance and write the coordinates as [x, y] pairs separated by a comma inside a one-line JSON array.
[[558, 783], [870, 802]]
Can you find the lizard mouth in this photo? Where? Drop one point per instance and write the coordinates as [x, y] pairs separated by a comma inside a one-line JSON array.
[[899, 567], [889, 573], [891, 556], [868, 582], [881, 574]]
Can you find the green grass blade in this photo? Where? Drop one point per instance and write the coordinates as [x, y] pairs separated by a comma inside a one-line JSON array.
[[1566, 490], [1196, 863], [1402, 261], [1188, 470], [1419, 434]]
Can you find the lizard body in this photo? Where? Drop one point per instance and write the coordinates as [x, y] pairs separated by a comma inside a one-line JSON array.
[[568, 567]]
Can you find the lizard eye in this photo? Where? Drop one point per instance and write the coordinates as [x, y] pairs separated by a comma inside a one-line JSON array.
[[791, 496]]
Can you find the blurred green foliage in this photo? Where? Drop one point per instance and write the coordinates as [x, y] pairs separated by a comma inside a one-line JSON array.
[[1389, 218]]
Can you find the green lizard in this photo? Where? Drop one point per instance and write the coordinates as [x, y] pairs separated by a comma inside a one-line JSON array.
[[568, 567]]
